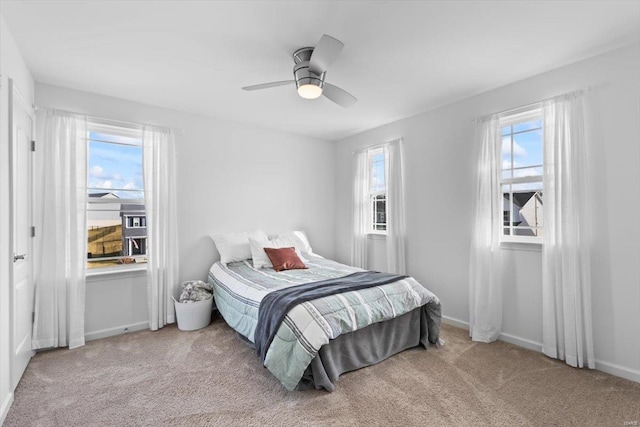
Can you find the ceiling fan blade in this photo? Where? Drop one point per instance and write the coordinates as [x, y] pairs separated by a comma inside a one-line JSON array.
[[268, 85], [325, 52], [339, 96]]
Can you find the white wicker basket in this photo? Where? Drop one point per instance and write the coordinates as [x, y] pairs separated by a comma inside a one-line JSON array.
[[193, 315]]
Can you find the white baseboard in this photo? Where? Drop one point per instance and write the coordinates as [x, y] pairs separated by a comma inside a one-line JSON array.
[[618, 371], [119, 330], [521, 342], [4, 409], [609, 368], [511, 339], [455, 322]]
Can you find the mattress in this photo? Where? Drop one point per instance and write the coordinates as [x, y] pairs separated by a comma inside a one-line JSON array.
[[239, 288]]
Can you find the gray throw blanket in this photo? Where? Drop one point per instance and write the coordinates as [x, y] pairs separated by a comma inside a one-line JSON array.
[[275, 305]]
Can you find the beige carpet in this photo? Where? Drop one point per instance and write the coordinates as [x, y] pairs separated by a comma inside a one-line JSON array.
[[209, 377]]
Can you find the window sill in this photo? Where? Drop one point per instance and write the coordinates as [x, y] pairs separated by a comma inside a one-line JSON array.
[[137, 270], [376, 236], [531, 246]]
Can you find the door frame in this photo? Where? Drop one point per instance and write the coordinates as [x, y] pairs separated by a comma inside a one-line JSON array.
[[6, 257], [15, 95]]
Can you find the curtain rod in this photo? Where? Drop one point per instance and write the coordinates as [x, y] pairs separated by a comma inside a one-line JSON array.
[[372, 147], [533, 104], [105, 118]]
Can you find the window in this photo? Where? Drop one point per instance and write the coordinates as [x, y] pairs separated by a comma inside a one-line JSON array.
[[135, 221], [377, 191], [116, 218], [521, 177]]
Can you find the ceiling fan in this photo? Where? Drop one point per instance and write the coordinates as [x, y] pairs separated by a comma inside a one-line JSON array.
[[310, 70]]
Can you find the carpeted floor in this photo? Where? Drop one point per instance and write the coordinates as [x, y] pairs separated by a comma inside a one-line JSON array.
[[209, 377]]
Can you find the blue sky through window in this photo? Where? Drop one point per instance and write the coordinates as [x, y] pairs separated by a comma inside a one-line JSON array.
[[377, 172], [115, 167], [526, 147]]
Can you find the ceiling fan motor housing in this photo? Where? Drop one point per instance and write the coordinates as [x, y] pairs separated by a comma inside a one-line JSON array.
[[301, 73], [309, 73]]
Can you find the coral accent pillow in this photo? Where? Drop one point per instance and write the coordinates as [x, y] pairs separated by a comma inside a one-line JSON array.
[[260, 258], [284, 259]]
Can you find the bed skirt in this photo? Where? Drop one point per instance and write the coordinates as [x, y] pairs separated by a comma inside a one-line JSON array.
[[365, 347]]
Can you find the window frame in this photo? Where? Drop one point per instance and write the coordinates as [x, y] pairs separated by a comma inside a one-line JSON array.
[[371, 195], [512, 119], [105, 127]]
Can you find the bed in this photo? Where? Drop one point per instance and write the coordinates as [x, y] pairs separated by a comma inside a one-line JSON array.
[[320, 339]]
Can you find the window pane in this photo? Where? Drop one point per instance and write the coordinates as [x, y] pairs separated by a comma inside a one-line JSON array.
[[107, 238], [506, 208], [527, 149], [506, 154], [522, 158], [116, 230], [522, 149], [121, 139], [104, 234], [113, 168], [379, 211], [536, 124], [527, 206], [377, 179]]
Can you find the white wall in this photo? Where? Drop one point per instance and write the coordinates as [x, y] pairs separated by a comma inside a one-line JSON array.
[[115, 304], [230, 177], [11, 66], [440, 171]]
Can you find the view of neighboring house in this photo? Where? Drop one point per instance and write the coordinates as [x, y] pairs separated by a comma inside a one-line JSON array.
[[525, 211], [134, 229], [115, 229]]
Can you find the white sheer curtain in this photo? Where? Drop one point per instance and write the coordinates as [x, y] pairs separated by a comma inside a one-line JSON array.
[[485, 287], [61, 249], [162, 235], [360, 209], [566, 276], [395, 208]]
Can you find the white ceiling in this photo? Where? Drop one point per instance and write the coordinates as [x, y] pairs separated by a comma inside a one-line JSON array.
[[400, 58]]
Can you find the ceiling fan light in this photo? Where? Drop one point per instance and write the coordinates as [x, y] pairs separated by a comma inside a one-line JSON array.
[[309, 91]]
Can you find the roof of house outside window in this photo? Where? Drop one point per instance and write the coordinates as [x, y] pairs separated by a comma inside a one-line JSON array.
[[131, 210], [521, 199], [101, 195]]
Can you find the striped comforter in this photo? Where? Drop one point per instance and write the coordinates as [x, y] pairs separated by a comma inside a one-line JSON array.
[[239, 288]]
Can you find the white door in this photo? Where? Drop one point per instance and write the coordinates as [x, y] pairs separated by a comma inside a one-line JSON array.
[[21, 118]]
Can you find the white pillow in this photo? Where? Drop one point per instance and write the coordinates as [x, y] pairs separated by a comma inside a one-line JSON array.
[[260, 257], [297, 239], [235, 246]]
